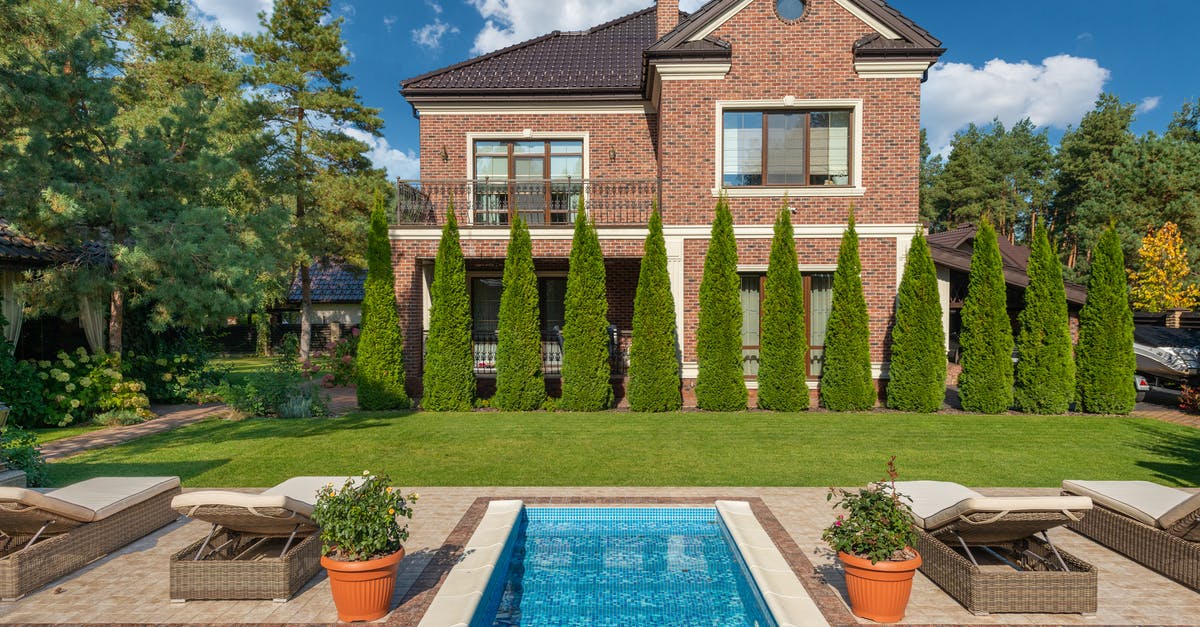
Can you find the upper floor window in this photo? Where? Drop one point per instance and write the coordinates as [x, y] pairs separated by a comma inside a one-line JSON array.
[[539, 180], [529, 160], [786, 148]]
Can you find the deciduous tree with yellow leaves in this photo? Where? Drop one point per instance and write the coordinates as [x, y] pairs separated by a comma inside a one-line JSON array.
[[1164, 280]]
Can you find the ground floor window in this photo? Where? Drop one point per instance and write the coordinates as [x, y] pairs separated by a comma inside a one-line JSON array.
[[818, 300], [485, 319]]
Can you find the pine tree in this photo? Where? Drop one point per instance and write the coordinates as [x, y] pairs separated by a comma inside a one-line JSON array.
[[918, 370], [519, 383], [449, 378], [654, 384], [1045, 379], [986, 382], [1105, 351], [846, 373], [721, 385], [586, 369], [782, 377], [380, 367]]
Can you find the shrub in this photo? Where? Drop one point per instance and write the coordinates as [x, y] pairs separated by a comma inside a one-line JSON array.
[[877, 525], [283, 389], [519, 385], [918, 370], [336, 363], [119, 418], [782, 378], [77, 386], [174, 377], [846, 373], [1189, 399], [1045, 378], [586, 369], [654, 384], [986, 382], [721, 385], [360, 520], [21, 388], [1105, 351], [381, 346], [449, 373], [20, 451]]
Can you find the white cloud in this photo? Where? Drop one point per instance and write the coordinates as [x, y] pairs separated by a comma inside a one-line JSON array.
[[1149, 104], [430, 35], [399, 164], [1055, 93], [691, 5], [510, 21], [235, 16], [388, 22], [432, 4]]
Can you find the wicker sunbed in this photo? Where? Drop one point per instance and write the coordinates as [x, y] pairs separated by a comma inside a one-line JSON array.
[[985, 551], [260, 546], [1156, 526], [49, 535]]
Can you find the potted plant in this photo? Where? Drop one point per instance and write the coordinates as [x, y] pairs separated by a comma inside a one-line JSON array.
[[874, 541], [362, 543]]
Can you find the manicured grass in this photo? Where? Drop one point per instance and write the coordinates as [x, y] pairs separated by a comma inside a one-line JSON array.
[[679, 449], [238, 368], [51, 434]]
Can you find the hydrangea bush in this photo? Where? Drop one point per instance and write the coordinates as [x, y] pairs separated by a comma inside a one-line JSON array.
[[360, 520], [78, 386]]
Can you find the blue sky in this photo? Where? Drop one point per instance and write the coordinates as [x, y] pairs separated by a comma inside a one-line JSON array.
[[1045, 59]]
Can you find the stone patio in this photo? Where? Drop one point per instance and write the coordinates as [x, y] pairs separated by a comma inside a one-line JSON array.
[[131, 585]]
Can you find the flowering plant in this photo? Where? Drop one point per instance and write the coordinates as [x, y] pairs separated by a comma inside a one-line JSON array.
[[877, 525], [360, 521]]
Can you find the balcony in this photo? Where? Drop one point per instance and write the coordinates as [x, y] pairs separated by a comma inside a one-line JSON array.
[[484, 345], [540, 202]]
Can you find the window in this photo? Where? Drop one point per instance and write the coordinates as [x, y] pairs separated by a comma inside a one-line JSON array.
[[818, 300], [485, 320], [785, 148], [540, 180], [789, 10]]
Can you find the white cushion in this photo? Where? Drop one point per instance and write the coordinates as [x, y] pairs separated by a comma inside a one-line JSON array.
[[931, 497], [306, 488], [1149, 503], [936, 503]]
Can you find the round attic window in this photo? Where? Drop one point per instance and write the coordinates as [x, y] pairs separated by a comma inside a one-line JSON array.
[[789, 10]]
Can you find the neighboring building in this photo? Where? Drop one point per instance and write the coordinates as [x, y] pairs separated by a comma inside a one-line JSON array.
[[43, 336], [816, 101], [951, 251], [337, 295]]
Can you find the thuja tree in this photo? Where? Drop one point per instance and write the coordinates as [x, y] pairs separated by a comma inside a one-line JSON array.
[[585, 367], [654, 384], [519, 384], [720, 385], [449, 379], [918, 369], [986, 382], [846, 374], [380, 367], [782, 380], [1105, 351], [1045, 379]]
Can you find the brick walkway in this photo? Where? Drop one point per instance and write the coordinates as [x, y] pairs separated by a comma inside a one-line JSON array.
[[170, 417]]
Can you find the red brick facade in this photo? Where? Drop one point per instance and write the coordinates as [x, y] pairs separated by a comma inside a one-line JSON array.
[[675, 140]]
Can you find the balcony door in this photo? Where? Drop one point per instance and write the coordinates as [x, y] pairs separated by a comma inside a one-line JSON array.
[[540, 180]]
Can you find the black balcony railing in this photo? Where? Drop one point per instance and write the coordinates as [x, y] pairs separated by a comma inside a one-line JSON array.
[[484, 344], [540, 202]]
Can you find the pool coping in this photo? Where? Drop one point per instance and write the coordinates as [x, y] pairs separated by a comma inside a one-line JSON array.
[[420, 596]]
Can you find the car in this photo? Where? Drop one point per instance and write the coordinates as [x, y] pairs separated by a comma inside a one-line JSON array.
[[1142, 385]]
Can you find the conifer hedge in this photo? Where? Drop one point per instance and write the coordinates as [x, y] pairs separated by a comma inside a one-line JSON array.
[[782, 379], [986, 382], [380, 367], [918, 370], [720, 386], [1105, 351], [654, 383], [846, 374], [585, 367], [449, 376], [519, 383], [1045, 379]]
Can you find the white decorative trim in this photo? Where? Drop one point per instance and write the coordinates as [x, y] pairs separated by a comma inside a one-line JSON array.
[[791, 102], [891, 69], [637, 233], [878, 26], [903, 243], [803, 267], [637, 107], [719, 20], [690, 369], [692, 71]]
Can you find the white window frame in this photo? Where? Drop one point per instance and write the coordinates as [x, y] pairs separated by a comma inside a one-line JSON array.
[[856, 187], [524, 135]]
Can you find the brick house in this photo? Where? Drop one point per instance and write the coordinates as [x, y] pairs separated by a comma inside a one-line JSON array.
[[817, 101]]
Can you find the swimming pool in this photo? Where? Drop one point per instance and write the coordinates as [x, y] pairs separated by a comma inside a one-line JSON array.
[[601, 566]]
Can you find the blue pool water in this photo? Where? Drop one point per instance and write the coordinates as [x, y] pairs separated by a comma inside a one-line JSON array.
[[613, 566]]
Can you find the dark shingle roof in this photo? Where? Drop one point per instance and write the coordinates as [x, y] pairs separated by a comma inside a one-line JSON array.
[[953, 249], [332, 283], [18, 250]]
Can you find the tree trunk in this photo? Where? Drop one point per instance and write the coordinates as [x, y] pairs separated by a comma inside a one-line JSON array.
[[305, 313], [116, 320]]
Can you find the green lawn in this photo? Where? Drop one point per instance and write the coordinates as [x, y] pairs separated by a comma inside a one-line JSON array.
[[51, 434], [238, 368], [701, 449]]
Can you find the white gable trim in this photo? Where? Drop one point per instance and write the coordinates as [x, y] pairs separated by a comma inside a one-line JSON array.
[[891, 69], [849, 6]]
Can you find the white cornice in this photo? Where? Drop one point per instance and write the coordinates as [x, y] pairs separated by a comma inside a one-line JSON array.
[[891, 69], [637, 107], [692, 71], [638, 233]]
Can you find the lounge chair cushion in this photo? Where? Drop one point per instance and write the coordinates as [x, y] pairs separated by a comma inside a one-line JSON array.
[[87, 501], [274, 511], [1146, 502], [938, 503]]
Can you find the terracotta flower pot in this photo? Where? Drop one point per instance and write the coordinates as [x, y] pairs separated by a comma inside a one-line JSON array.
[[362, 590], [879, 591]]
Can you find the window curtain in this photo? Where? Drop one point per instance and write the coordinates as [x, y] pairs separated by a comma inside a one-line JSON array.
[[91, 315], [821, 305], [13, 307], [751, 318]]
